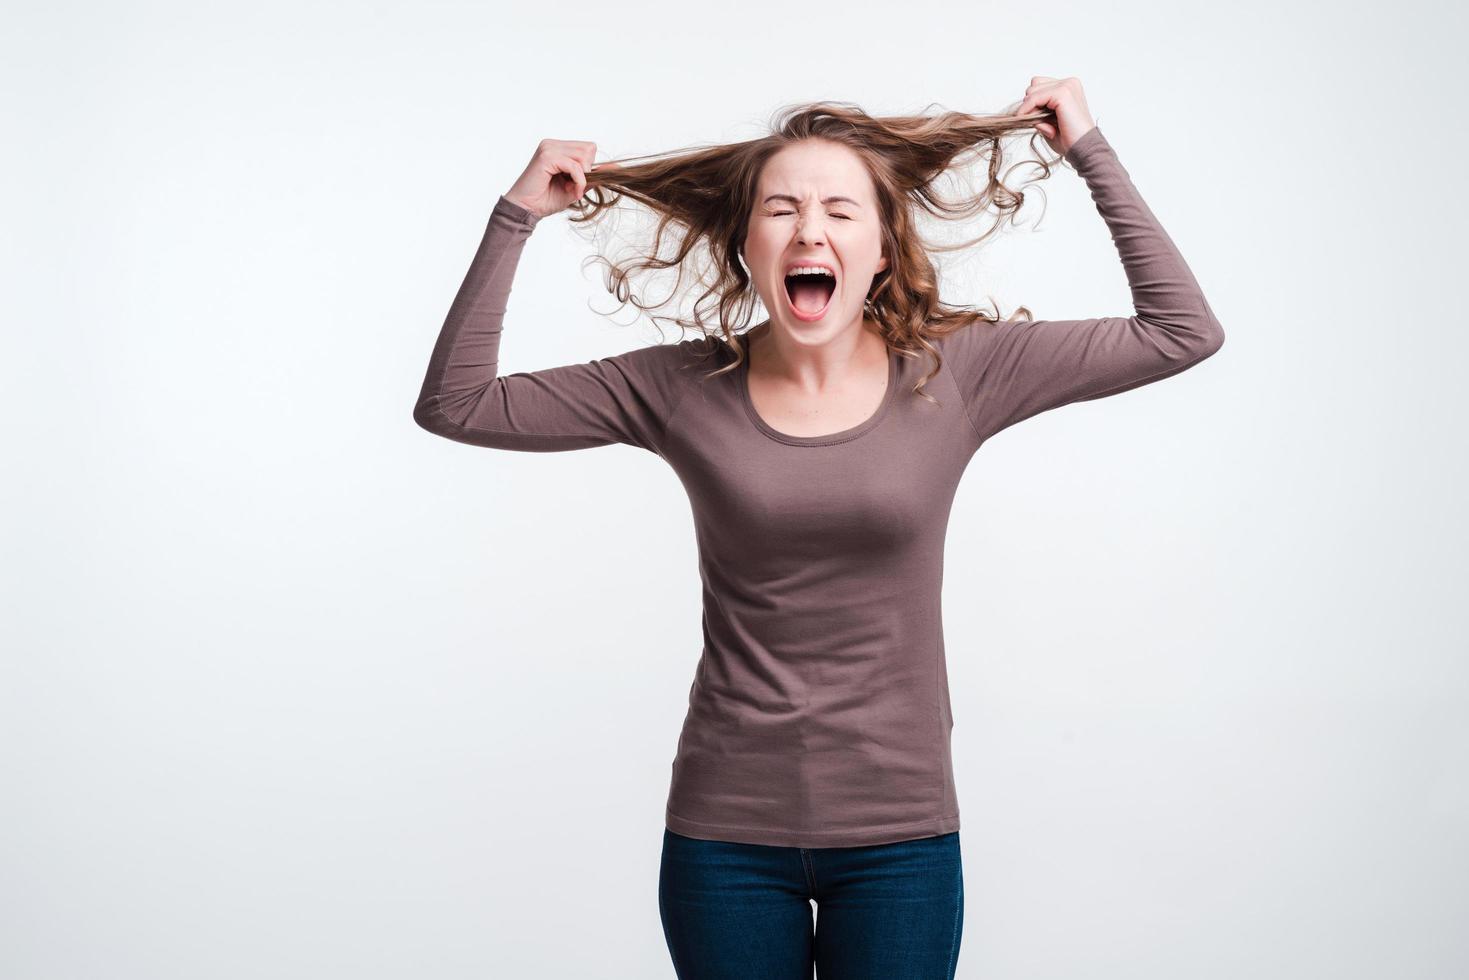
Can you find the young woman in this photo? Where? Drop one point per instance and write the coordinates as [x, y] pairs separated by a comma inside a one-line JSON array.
[[820, 460]]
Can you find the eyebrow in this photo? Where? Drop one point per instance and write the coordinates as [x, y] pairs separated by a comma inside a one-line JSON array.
[[796, 200]]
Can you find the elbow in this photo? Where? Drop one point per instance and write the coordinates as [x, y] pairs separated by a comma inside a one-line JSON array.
[[428, 417], [1186, 340], [1211, 338], [1211, 332]]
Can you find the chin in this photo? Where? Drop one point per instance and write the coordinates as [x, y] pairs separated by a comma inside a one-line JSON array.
[[831, 323]]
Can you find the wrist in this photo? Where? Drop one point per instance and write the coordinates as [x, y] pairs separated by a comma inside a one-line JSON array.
[[1082, 144], [519, 210]]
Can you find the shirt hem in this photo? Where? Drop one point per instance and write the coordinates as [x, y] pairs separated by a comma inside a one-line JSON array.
[[861, 837]]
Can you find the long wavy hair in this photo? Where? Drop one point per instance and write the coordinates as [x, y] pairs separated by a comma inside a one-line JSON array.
[[703, 196]]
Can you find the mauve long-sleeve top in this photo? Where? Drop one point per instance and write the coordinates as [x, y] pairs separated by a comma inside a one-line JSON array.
[[819, 712]]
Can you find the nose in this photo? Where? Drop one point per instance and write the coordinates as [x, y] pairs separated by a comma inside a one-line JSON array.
[[809, 232]]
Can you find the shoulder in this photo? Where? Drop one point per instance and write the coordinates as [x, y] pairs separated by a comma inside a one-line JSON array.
[[662, 374], [965, 349], [675, 360]]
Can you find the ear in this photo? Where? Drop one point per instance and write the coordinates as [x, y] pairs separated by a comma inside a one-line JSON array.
[[882, 263]]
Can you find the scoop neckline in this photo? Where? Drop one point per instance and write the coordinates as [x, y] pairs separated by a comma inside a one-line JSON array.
[[830, 438]]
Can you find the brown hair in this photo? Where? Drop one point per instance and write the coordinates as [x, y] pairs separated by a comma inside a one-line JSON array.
[[706, 194]]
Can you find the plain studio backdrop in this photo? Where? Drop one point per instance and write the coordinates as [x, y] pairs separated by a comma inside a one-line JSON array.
[[293, 689]]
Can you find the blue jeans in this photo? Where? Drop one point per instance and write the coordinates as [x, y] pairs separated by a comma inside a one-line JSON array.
[[743, 911]]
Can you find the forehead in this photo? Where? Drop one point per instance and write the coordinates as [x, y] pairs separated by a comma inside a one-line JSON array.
[[816, 166]]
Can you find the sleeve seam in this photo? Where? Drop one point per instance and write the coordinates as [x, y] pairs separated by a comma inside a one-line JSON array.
[[462, 427], [959, 392]]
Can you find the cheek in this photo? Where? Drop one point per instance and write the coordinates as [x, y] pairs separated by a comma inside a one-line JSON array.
[[858, 247], [759, 243], [870, 250]]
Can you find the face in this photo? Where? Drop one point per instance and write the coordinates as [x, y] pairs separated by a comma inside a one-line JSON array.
[[814, 206]]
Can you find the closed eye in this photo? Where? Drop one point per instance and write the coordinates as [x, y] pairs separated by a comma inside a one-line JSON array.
[[776, 214]]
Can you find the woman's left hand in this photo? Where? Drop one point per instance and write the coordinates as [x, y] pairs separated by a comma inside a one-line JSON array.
[[1065, 97]]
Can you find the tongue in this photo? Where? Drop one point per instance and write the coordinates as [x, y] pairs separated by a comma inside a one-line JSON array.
[[810, 297]]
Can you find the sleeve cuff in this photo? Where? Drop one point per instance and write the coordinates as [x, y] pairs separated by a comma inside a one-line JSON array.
[[521, 215], [1092, 142]]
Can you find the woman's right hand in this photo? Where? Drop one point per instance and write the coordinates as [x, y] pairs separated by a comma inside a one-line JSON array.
[[555, 178]]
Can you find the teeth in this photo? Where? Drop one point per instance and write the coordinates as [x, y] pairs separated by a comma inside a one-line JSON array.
[[810, 270]]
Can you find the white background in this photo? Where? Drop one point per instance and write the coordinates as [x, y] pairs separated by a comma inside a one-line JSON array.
[[293, 689]]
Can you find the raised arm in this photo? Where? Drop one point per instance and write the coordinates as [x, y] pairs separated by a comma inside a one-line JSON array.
[[627, 398], [1012, 370]]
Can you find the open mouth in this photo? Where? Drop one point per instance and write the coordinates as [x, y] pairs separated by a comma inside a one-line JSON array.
[[810, 293]]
